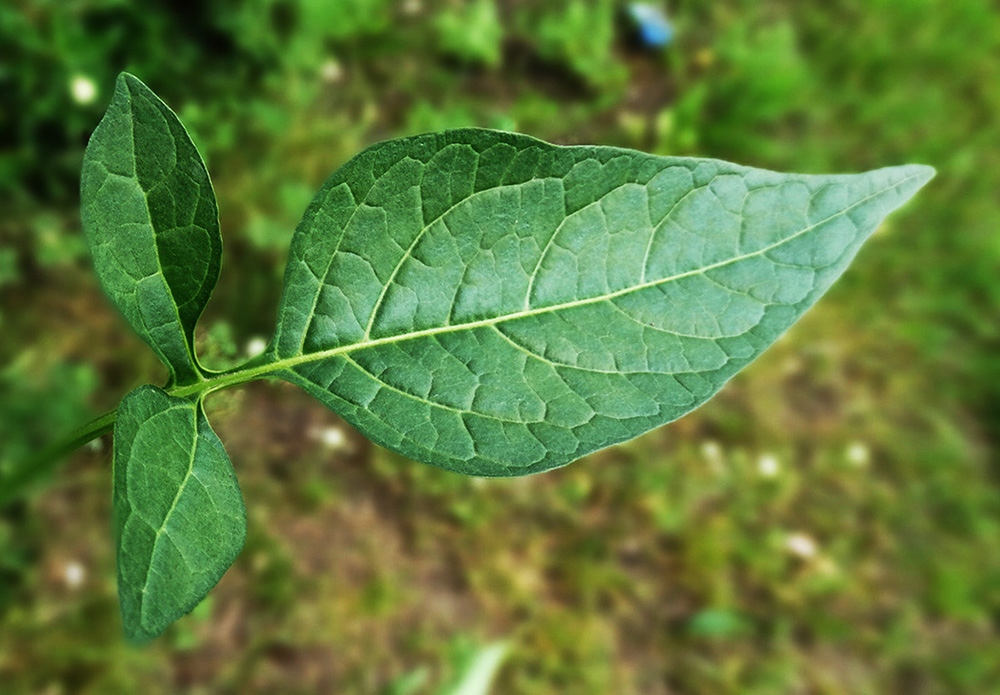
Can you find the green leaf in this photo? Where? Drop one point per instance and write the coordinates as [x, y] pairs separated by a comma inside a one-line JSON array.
[[479, 670], [472, 32], [179, 515], [150, 217], [495, 305]]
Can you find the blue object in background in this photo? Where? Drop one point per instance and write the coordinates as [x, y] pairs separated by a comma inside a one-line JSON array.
[[652, 26]]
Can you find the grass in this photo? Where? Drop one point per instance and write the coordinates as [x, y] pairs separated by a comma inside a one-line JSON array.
[[829, 524]]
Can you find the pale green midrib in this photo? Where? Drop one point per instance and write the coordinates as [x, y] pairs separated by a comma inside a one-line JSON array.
[[240, 376], [166, 519], [195, 367]]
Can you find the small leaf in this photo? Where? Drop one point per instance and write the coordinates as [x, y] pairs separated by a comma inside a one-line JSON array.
[[479, 670], [179, 515], [495, 305], [150, 217]]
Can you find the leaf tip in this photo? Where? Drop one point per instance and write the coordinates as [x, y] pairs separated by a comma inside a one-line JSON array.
[[920, 176], [127, 78], [897, 185], [128, 84], [136, 636], [922, 173], [912, 177]]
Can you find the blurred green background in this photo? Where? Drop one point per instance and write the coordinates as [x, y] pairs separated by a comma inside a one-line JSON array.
[[830, 523]]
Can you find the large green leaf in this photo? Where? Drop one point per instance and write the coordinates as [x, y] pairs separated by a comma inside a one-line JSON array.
[[151, 221], [179, 515], [495, 305]]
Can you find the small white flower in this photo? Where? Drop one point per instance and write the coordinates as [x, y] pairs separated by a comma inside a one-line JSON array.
[[333, 438], [331, 71], [83, 89], [767, 465], [95, 445], [858, 454], [255, 346], [801, 545], [711, 451], [412, 7], [74, 574]]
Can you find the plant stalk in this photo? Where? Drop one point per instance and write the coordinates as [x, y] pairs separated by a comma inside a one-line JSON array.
[[50, 458], [47, 460]]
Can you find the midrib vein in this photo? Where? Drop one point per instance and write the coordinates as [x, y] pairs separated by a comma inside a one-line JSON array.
[[290, 362], [180, 492], [192, 361]]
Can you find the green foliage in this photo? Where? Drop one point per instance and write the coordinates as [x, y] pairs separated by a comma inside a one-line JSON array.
[[900, 360], [8, 267], [9, 274], [347, 18], [498, 306], [475, 667], [579, 35], [151, 221], [58, 62], [477, 300], [179, 515], [37, 397], [761, 80], [717, 624], [473, 32]]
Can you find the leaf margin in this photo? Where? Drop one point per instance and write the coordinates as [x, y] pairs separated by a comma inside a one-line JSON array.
[[141, 623], [175, 349], [919, 174]]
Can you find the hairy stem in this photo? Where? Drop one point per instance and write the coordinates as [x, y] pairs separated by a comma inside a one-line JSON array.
[[50, 458]]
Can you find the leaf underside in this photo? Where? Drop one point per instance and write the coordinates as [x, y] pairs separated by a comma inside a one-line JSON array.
[[480, 301], [179, 515], [151, 221], [492, 304]]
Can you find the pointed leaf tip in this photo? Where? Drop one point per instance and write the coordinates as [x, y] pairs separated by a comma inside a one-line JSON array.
[[915, 176], [922, 175]]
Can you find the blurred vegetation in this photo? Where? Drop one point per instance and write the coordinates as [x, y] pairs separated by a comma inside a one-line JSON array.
[[829, 524]]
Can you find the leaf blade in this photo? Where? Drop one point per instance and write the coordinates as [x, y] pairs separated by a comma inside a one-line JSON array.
[[495, 305], [180, 520], [151, 221]]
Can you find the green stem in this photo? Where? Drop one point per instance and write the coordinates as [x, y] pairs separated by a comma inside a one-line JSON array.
[[50, 458], [260, 367]]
